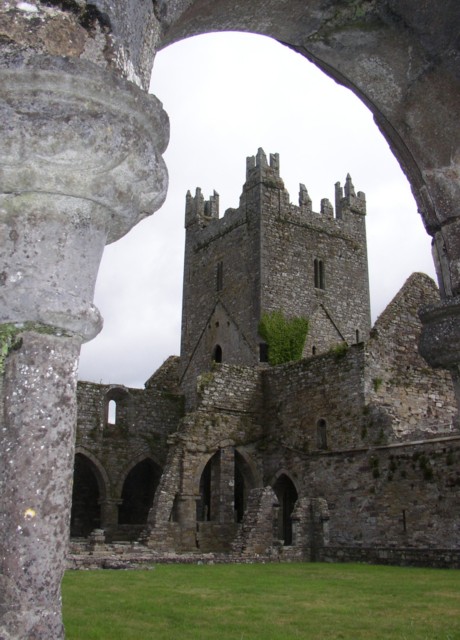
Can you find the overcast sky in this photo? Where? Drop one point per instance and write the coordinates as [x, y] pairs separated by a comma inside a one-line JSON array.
[[226, 96]]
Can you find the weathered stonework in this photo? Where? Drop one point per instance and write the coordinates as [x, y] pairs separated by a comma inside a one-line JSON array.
[[399, 58], [354, 447]]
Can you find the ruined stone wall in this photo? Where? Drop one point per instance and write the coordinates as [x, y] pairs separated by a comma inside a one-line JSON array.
[[400, 496], [408, 396], [299, 396], [144, 420]]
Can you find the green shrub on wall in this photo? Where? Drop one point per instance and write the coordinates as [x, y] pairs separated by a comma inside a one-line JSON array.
[[285, 337]]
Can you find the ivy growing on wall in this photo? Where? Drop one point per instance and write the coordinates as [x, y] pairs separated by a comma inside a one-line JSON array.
[[285, 337]]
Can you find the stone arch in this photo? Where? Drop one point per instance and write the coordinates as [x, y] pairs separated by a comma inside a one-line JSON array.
[[211, 492], [245, 481], [325, 38], [287, 495], [140, 483], [206, 505], [90, 485], [381, 52], [117, 406]]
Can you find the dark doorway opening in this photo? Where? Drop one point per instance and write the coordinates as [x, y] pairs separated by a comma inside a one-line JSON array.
[[287, 497], [205, 507], [217, 356], [86, 511], [138, 492]]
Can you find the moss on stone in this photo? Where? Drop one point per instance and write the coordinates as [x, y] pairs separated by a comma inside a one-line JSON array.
[[285, 337], [9, 341]]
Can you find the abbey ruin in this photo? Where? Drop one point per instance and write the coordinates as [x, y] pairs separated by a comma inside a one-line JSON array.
[[81, 163], [350, 452]]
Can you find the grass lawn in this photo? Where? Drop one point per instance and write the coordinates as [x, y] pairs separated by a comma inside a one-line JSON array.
[[263, 602]]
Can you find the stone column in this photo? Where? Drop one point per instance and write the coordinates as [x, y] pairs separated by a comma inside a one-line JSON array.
[[227, 486], [186, 517], [80, 164], [109, 514]]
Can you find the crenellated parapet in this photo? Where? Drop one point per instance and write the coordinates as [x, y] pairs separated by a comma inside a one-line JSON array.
[[259, 169], [347, 201], [197, 209]]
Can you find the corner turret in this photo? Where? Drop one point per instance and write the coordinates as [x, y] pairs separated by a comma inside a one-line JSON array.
[[350, 201], [197, 209], [259, 170]]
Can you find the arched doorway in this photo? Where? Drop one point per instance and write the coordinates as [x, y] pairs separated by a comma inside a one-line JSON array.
[[207, 505], [138, 492], [210, 505], [287, 497], [86, 510]]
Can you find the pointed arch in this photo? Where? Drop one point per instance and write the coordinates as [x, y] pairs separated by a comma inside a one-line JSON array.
[[208, 489], [138, 491], [245, 481], [287, 495], [90, 483]]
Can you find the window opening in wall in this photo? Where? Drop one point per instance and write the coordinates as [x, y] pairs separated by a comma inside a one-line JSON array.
[[404, 523], [220, 276], [319, 274], [321, 434], [217, 355], [263, 352], [313, 350], [112, 412], [357, 336]]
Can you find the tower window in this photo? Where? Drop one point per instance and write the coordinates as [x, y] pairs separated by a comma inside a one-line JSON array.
[[263, 352], [321, 434], [219, 276], [319, 274], [217, 355]]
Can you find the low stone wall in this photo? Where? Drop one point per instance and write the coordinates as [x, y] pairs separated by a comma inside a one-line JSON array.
[[403, 557], [118, 556]]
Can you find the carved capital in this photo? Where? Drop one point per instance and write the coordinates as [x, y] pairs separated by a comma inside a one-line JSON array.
[[70, 128], [80, 164]]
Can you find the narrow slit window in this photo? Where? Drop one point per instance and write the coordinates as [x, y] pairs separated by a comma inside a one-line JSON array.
[[319, 274], [263, 352], [321, 434], [112, 412]]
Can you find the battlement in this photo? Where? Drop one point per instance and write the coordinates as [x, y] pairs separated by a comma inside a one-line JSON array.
[[350, 200], [198, 209], [346, 200], [259, 169]]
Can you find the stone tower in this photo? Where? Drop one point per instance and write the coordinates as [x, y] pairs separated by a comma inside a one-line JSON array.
[[268, 255]]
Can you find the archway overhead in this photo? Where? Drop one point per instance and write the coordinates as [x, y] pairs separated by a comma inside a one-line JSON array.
[[70, 72], [399, 58], [221, 115]]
